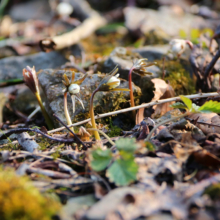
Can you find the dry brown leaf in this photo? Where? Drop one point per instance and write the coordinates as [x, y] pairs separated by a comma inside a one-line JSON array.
[[210, 118], [139, 116], [162, 91], [206, 159]]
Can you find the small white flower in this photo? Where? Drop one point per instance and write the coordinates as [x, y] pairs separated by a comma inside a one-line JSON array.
[[64, 9], [115, 80], [178, 46], [74, 89]]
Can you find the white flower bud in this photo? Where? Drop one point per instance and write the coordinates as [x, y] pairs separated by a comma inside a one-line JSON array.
[[64, 9], [73, 89], [178, 46], [114, 79]]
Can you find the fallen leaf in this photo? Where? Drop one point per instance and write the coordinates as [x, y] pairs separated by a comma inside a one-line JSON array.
[[209, 118], [162, 91]]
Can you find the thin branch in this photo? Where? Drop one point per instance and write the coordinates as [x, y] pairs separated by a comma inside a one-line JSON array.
[[211, 64], [20, 130], [75, 136], [84, 30], [164, 122], [105, 135], [146, 105]]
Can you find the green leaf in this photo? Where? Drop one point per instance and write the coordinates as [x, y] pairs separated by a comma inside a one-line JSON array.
[[126, 155], [178, 105], [122, 172], [186, 101], [195, 108], [126, 144], [210, 106], [101, 159]]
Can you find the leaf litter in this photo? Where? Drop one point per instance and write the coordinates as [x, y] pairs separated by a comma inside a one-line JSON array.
[[165, 167]]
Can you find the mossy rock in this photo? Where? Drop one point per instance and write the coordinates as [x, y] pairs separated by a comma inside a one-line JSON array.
[[178, 75]]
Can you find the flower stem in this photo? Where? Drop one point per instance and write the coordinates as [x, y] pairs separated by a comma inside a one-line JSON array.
[[91, 110], [47, 118], [105, 135], [131, 90], [68, 119], [164, 122]]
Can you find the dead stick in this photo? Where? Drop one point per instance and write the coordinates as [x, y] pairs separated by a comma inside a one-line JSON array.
[[84, 30], [20, 130], [75, 136], [146, 105], [211, 64]]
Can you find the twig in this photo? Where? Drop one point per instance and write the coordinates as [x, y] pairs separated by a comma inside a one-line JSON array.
[[146, 105], [20, 130], [50, 173], [164, 122], [82, 31], [75, 136], [203, 123], [211, 64], [105, 135]]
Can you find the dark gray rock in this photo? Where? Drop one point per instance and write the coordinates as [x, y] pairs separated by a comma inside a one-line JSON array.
[[31, 10], [152, 53], [124, 59], [11, 67], [51, 83]]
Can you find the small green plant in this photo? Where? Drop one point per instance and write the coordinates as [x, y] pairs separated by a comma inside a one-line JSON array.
[[20, 200], [191, 108], [121, 167], [73, 87], [108, 84]]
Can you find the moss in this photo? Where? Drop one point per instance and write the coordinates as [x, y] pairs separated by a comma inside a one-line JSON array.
[[178, 77], [20, 200], [113, 131], [43, 143], [213, 191]]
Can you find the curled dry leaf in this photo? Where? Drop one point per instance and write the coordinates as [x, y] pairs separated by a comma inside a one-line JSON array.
[[210, 119], [162, 91]]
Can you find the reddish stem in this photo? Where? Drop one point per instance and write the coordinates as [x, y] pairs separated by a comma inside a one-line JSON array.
[[131, 90], [130, 86]]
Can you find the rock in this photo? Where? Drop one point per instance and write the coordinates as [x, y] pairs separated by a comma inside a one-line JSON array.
[[152, 53], [148, 19], [25, 100], [31, 10], [110, 202], [11, 67], [123, 58], [7, 51], [51, 83]]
